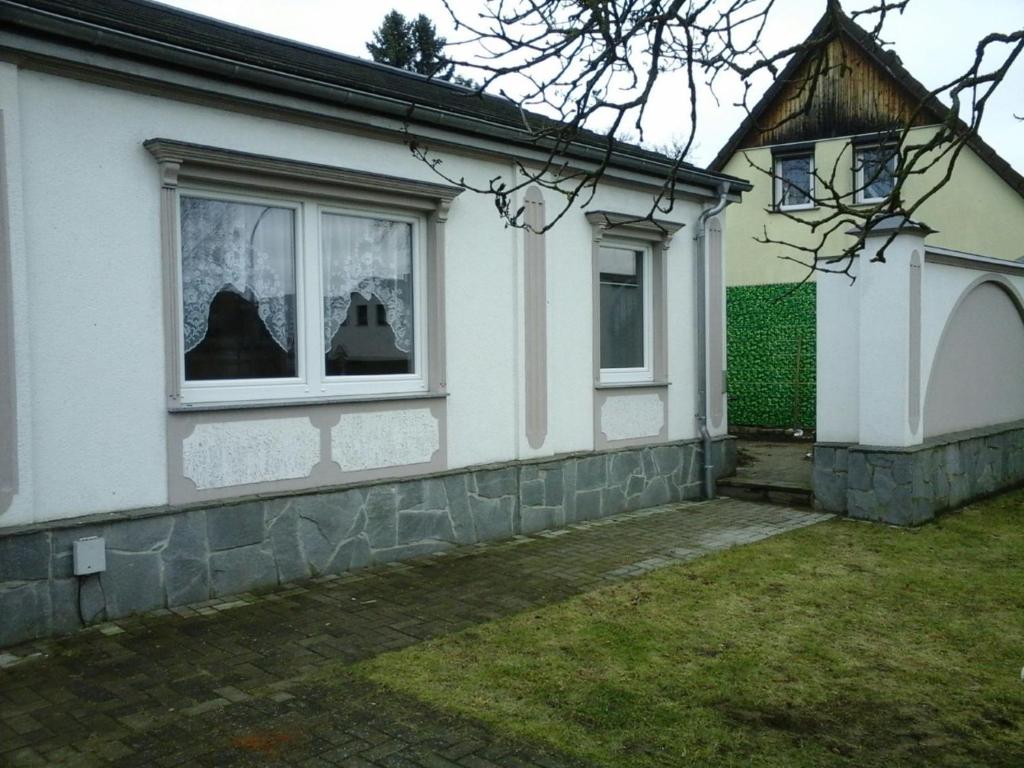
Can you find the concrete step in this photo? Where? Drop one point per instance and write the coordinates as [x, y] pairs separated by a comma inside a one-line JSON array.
[[773, 492]]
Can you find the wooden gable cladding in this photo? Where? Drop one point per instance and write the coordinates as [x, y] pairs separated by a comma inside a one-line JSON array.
[[839, 91]]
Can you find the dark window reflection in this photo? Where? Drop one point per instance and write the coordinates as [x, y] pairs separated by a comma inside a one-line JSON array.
[[363, 348], [622, 308], [237, 344]]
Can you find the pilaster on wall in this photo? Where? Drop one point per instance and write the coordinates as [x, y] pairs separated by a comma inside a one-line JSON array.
[[16, 503], [889, 351], [869, 341]]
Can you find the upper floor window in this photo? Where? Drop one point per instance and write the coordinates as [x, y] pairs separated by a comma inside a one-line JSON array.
[[794, 182], [874, 172]]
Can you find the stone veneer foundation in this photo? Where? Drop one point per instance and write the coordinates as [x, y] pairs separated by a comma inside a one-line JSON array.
[[908, 486], [168, 557]]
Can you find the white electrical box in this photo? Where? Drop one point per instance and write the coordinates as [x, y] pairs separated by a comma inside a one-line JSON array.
[[90, 555]]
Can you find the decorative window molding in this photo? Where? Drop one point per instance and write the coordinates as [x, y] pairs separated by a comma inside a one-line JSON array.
[[652, 238], [793, 181], [309, 238]]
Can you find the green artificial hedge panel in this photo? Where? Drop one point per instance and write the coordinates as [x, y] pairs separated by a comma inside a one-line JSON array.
[[771, 355]]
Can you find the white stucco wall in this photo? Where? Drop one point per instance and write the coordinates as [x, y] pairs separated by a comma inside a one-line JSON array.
[[88, 293], [971, 336]]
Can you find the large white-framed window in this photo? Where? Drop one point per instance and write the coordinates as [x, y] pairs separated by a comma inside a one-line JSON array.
[[292, 282], [626, 275], [874, 172], [372, 295], [794, 181]]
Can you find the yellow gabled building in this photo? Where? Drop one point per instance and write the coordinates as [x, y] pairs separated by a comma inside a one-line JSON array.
[[831, 125]]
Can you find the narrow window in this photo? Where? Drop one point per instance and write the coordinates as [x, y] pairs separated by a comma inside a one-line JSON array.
[[623, 310], [367, 261], [794, 182], [238, 290], [874, 173]]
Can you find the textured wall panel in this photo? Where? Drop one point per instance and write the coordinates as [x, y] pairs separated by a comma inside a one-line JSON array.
[[387, 439], [626, 417], [243, 452]]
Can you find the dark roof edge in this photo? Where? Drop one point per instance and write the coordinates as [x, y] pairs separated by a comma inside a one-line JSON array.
[[119, 42], [892, 66]]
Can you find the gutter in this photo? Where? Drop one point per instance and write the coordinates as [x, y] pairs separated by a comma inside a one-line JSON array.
[[132, 45], [700, 240]]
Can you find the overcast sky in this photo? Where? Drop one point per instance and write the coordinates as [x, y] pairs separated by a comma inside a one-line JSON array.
[[934, 38]]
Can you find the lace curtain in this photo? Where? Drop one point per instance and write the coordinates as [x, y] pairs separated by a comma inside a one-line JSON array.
[[245, 247], [371, 257]]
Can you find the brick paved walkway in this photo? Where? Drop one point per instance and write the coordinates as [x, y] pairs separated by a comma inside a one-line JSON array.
[[233, 682]]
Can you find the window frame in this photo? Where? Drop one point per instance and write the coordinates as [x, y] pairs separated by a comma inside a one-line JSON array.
[[638, 231], [397, 383], [778, 182], [186, 168], [859, 185], [645, 372], [227, 390]]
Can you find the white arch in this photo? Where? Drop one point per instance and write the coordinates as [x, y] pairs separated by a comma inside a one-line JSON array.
[[977, 373]]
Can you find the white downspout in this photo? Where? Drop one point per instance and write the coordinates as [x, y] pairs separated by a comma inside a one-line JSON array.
[[700, 238]]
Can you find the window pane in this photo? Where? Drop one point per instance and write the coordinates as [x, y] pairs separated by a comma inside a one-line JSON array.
[[622, 308], [238, 290], [367, 272], [794, 180], [877, 168]]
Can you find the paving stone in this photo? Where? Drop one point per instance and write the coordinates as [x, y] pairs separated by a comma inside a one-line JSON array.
[[420, 525], [235, 526], [25, 557], [185, 560], [493, 484], [133, 583], [20, 603], [240, 569], [147, 534], [64, 605], [492, 518], [588, 504], [592, 473]]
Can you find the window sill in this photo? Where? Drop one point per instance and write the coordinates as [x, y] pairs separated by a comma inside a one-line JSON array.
[[306, 401], [631, 384], [795, 209]]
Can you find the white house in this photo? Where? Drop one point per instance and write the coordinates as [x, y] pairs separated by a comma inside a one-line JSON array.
[[246, 337]]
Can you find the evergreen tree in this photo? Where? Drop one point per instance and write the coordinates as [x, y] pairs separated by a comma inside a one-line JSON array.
[[413, 45], [429, 49]]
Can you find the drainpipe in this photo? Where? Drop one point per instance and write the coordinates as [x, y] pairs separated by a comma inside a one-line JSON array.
[[700, 238]]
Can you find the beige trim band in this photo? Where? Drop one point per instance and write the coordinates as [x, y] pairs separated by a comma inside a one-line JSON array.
[[535, 317]]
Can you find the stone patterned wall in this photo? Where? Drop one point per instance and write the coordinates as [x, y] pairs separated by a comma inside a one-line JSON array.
[[182, 556], [909, 486]]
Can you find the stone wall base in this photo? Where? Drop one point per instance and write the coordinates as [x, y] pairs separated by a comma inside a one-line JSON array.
[[170, 557], [908, 486]]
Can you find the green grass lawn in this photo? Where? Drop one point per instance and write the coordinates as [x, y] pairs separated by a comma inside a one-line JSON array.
[[845, 644]]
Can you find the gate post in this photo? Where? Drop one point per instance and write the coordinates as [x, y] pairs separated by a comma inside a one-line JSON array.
[[889, 330]]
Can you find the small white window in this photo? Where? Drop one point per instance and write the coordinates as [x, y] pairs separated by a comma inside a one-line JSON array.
[[276, 295], [626, 312], [874, 171], [794, 182]]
